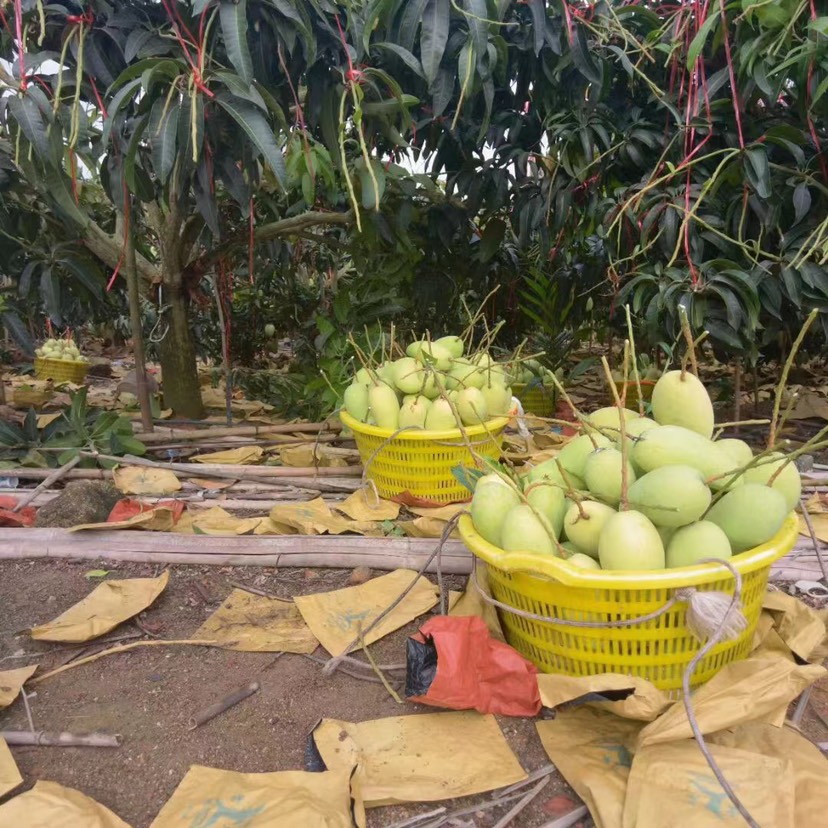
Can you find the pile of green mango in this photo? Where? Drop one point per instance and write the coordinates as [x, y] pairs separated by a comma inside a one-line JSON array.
[[689, 497]]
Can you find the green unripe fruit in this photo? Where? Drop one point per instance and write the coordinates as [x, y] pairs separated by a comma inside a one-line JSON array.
[[738, 451], [582, 561], [750, 515], [430, 353], [493, 499], [670, 495], [363, 377], [695, 542], [548, 499], [666, 533], [788, 482], [384, 406], [630, 541], [574, 454], [634, 429], [677, 446], [523, 532], [462, 374], [569, 549], [440, 417], [603, 477], [608, 421], [270, 330], [413, 414], [683, 401], [453, 344], [584, 532], [471, 406], [355, 401], [498, 399], [408, 375]]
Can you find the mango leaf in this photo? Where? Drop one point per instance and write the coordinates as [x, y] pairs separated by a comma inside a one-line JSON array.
[[30, 120], [410, 21], [162, 138], [758, 170], [233, 14], [372, 196], [50, 293], [467, 476], [697, 44], [476, 17], [492, 237], [434, 36], [17, 331], [583, 59], [801, 201], [257, 130], [404, 55], [538, 11]]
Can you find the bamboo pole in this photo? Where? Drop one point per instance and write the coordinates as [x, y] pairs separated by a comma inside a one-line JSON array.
[[161, 435], [40, 737], [48, 481]]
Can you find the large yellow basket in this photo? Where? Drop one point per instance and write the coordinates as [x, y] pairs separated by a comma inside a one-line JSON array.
[[60, 370], [415, 466], [658, 650], [536, 398]]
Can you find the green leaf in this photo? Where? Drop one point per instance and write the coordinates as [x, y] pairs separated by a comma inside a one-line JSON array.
[[83, 271], [492, 237], [582, 58], [96, 573], [476, 16], [467, 476], [372, 196], [50, 293], [434, 36], [163, 138], [30, 120], [801, 201], [404, 55], [124, 95], [257, 130], [538, 10], [17, 331], [233, 14], [410, 21], [758, 171], [697, 44]]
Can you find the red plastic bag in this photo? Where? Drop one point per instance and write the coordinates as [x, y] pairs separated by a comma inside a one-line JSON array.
[[128, 507], [8, 517], [473, 670]]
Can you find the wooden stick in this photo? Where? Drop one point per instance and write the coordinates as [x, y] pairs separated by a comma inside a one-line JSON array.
[[162, 435], [47, 739], [253, 590], [814, 540], [507, 818], [540, 773], [569, 819], [341, 551], [122, 649], [220, 706], [53, 477], [380, 675]]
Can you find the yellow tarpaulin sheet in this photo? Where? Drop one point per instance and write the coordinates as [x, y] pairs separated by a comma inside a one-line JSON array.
[[242, 456], [139, 480], [103, 609], [11, 681], [335, 618], [10, 776], [365, 505], [423, 758], [252, 623], [49, 805], [213, 798], [314, 517]]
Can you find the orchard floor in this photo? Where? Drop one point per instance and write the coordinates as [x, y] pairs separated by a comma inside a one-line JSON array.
[[148, 695]]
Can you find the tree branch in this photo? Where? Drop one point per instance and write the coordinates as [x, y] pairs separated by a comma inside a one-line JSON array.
[[108, 249]]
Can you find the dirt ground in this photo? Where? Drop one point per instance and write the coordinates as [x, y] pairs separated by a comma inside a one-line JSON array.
[[148, 695]]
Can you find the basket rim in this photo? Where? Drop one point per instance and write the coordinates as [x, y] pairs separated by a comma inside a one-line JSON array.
[[495, 425], [559, 570], [73, 362]]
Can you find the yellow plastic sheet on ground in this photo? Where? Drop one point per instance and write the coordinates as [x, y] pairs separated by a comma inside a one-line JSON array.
[[11, 681], [159, 519], [817, 506], [634, 698], [422, 758], [306, 456], [288, 799], [335, 618], [49, 805], [242, 456], [430, 523], [365, 505], [217, 521], [139, 480], [800, 627], [103, 609], [672, 785], [628, 770], [255, 624], [315, 517], [10, 776]]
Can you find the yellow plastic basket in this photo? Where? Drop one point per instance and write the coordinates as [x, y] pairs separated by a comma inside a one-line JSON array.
[[60, 370], [657, 650], [416, 465], [536, 398]]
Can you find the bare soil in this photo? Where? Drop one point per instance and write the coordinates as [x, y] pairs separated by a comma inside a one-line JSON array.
[[148, 695]]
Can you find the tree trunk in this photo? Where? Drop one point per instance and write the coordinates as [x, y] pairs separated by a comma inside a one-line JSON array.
[[182, 391]]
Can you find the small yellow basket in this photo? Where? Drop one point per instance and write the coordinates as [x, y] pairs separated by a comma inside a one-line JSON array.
[[416, 465], [60, 370], [658, 650], [536, 398]]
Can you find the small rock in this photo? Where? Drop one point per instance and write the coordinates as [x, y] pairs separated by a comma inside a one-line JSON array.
[[359, 575], [84, 501], [559, 806]]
